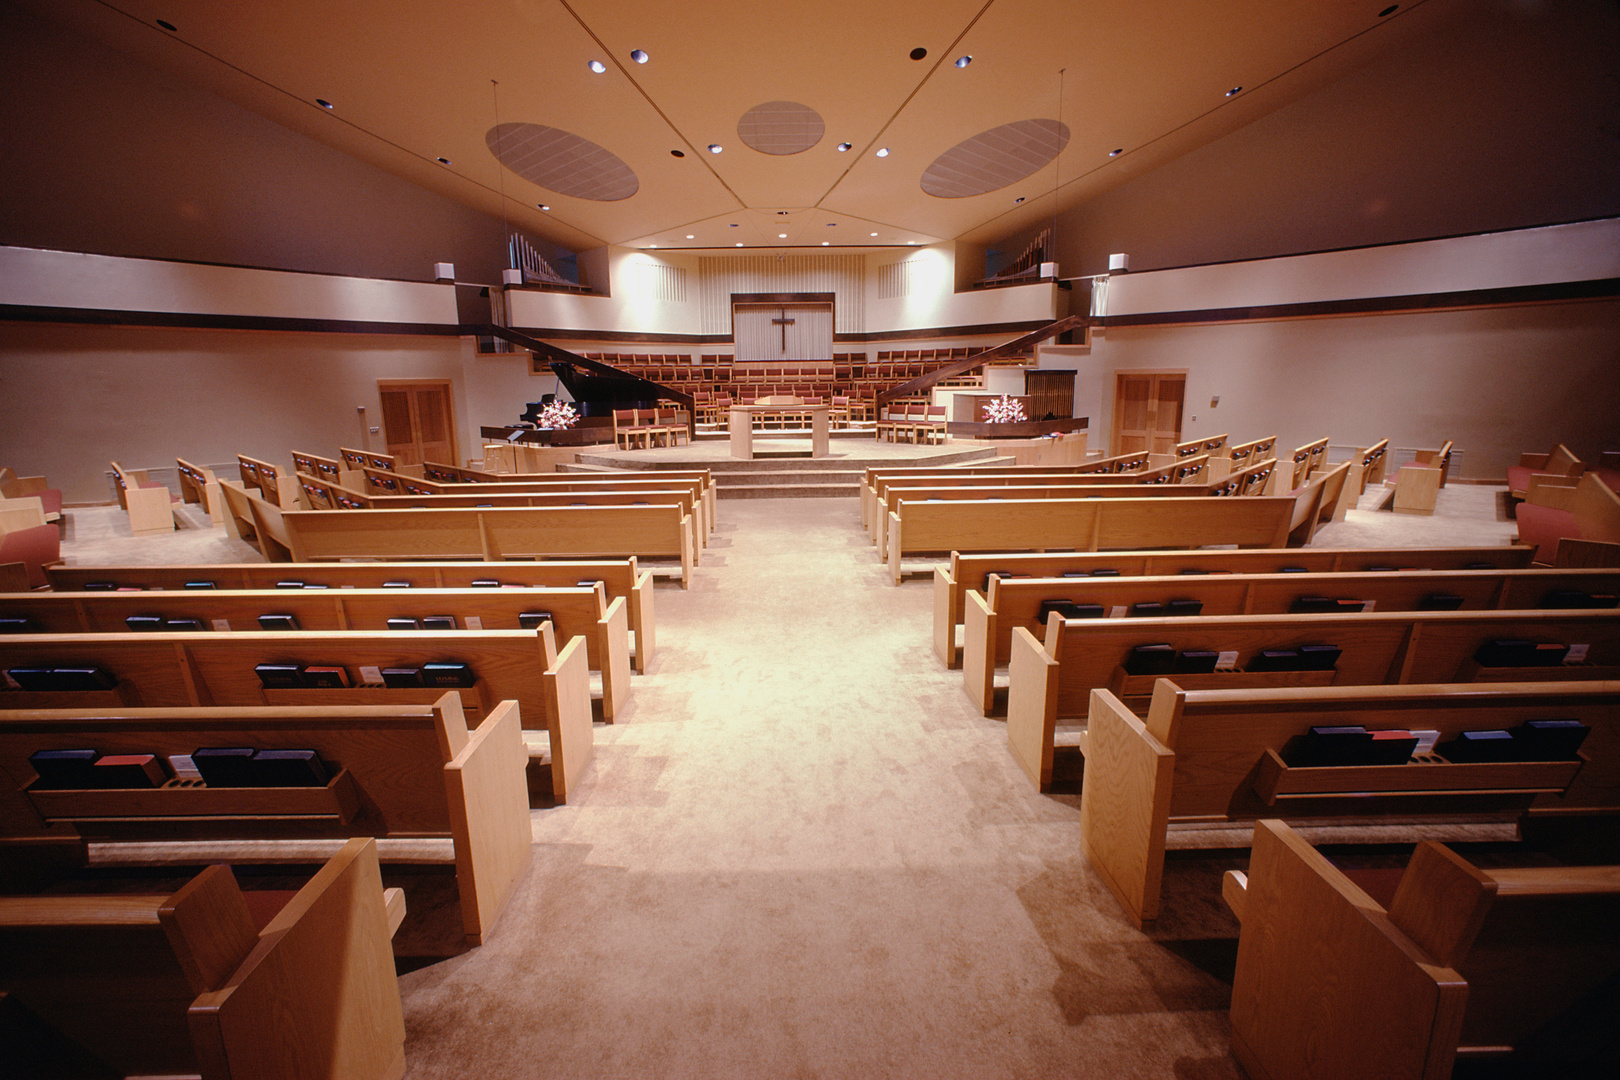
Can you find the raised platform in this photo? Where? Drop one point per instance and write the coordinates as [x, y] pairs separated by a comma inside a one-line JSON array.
[[782, 467]]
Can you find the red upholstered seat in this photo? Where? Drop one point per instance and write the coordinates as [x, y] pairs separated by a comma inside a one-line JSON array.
[[1518, 477], [1610, 477], [34, 547], [1542, 527]]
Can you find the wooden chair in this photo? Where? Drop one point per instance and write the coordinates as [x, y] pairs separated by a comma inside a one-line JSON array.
[[13, 486], [189, 983], [1464, 962], [149, 504], [628, 434]]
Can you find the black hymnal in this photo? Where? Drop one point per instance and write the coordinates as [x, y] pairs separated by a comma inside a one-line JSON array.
[[277, 622], [287, 768], [316, 586], [72, 678], [1105, 573], [1181, 609], [1072, 573], [1147, 609], [1189, 571], [1514, 653], [31, 678], [486, 583], [289, 584], [1472, 746], [200, 585], [1549, 740], [279, 676], [1196, 662], [438, 622], [324, 676], [101, 586], [224, 766], [63, 769], [588, 584], [127, 771], [1275, 660], [144, 622], [1318, 657], [396, 584], [402, 677], [447, 673], [1478, 566], [1331, 745], [1069, 609], [184, 624], [1314, 605], [1440, 602], [1391, 748], [1151, 660], [402, 624], [531, 620], [1294, 570], [14, 624], [1379, 570], [1565, 598]]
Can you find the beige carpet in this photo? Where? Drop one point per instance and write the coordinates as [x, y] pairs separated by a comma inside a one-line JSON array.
[[801, 854]]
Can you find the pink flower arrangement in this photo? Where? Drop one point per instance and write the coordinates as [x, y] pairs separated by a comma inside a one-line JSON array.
[[559, 414], [1003, 410]]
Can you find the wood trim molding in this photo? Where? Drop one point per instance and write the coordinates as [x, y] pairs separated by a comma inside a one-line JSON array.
[[191, 321]]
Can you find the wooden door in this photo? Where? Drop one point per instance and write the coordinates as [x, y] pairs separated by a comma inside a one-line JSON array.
[[1147, 412], [417, 421]]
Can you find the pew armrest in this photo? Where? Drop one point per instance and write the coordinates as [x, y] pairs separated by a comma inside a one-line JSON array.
[[487, 788], [323, 969], [1032, 707]]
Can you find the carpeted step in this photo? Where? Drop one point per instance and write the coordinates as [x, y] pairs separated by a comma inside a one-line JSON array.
[[787, 491]]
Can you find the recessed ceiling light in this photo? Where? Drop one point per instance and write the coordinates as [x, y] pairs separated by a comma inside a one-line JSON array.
[[874, 234], [444, 161], [826, 243], [844, 147], [677, 153], [715, 148], [739, 244], [883, 151], [1392, 9], [639, 56], [323, 103], [781, 236], [597, 66], [689, 236], [1018, 200], [542, 206], [963, 61], [654, 246], [1116, 153], [911, 243], [1235, 91], [918, 53], [781, 213], [169, 26]]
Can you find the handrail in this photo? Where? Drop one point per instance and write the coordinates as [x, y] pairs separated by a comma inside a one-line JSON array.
[[957, 367]]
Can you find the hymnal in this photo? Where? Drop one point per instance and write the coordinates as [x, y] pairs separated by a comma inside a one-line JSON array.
[[1472, 746], [31, 678], [1151, 660], [438, 622], [1314, 605], [402, 677], [1069, 609], [128, 771], [277, 622], [486, 583], [1189, 571], [396, 584], [200, 585], [1440, 602], [1549, 740], [59, 769], [1514, 653], [1319, 657], [1147, 609], [531, 620], [1391, 748], [1181, 609], [144, 622], [184, 624], [289, 584], [279, 676], [287, 768], [325, 676], [1275, 660], [101, 586], [14, 624], [447, 673], [1323, 746], [402, 624], [1105, 573], [1196, 662], [224, 766], [81, 678], [588, 584]]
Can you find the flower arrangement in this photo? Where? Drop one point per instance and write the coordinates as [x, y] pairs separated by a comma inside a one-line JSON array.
[[559, 415], [1003, 410]]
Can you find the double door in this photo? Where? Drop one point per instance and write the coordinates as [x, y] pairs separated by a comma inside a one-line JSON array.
[[417, 422], [1147, 412]]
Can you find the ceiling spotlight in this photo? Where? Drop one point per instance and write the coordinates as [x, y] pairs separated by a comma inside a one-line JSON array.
[[677, 153], [1392, 9], [911, 243], [1116, 153], [826, 243], [169, 26], [653, 246], [444, 161], [883, 151], [918, 53], [739, 245], [781, 213], [844, 147], [715, 148], [542, 206], [1018, 200], [638, 56], [874, 234], [1235, 91], [597, 66], [323, 103], [689, 236], [963, 61], [781, 236]]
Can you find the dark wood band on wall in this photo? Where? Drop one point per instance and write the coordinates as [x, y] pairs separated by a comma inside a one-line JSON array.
[[1511, 296], [187, 320]]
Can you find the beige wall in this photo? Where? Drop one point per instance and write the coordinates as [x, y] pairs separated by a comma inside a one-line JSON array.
[[74, 397]]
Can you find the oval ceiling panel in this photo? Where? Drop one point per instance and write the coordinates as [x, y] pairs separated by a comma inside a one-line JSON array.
[[562, 162], [781, 127], [993, 159]]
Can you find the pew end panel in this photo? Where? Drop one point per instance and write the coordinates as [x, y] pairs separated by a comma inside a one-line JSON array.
[[568, 689], [979, 651], [1125, 805], [1032, 707], [487, 788], [946, 618], [322, 968]]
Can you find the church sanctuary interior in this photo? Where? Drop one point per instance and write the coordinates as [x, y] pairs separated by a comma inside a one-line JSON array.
[[991, 538]]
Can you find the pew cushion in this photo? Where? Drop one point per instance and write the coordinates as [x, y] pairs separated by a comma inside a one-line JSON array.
[[1542, 527], [1518, 478], [1610, 477], [34, 547]]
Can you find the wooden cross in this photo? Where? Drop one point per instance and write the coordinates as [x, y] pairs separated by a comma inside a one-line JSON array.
[[784, 322]]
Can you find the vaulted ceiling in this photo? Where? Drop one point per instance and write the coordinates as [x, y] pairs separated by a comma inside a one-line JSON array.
[[444, 93]]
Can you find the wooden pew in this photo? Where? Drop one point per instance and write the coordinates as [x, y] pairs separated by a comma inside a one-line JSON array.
[[1464, 963], [1587, 513], [332, 470], [356, 460], [1085, 524], [402, 771], [149, 504], [1307, 459], [29, 545], [874, 489], [14, 488], [972, 570], [177, 670], [1051, 683], [576, 611], [277, 488], [187, 983], [1533, 470], [199, 485], [493, 535], [619, 578], [1009, 602], [1215, 756], [255, 521]]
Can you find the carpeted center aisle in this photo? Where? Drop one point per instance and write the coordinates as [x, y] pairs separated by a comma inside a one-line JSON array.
[[801, 854]]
